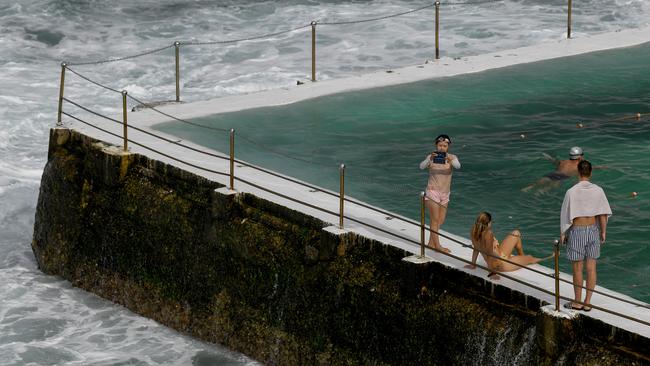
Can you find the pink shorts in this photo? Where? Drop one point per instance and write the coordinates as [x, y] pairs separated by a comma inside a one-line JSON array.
[[437, 196]]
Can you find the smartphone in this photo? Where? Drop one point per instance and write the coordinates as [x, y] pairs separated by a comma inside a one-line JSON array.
[[440, 158]]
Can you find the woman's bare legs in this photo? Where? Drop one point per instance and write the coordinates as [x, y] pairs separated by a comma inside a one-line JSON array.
[[510, 242], [437, 215], [518, 261], [508, 245], [442, 210]]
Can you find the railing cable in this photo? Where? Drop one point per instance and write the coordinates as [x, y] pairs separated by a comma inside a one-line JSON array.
[[147, 132], [268, 35], [280, 153], [144, 104], [378, 18], [120, 58], [473, 2], [147, 147], [176, 118], [628, 317], [251, 38], [93, 81]]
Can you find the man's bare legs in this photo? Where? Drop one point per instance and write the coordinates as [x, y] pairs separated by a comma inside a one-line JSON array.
[[591, 280], [577, 284], [437, 215]]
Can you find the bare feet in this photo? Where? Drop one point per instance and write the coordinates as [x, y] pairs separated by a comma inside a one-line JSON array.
[[438, 248]]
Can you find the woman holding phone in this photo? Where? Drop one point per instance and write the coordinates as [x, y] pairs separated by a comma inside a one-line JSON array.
[[441, 165]]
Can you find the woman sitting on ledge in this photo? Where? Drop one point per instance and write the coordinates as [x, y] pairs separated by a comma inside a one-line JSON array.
[[483, 241]]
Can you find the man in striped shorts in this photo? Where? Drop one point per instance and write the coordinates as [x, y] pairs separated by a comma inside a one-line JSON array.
[[583, 227]]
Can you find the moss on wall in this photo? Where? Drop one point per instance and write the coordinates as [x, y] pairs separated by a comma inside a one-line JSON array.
[[266, 280]]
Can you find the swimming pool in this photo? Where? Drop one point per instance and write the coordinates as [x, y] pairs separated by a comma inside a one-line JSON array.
[[502, 122]]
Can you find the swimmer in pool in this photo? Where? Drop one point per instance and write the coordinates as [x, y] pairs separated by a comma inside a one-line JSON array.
[[563, 170], [484, 242]]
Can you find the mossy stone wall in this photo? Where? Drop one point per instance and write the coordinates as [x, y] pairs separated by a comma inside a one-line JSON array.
[[268, 281]]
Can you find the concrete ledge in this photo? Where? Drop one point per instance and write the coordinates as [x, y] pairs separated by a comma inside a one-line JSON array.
[[226, 191], [549, 310], [336, 230], [417, 259]]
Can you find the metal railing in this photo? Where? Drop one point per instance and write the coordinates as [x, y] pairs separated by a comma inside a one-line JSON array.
[[341, 196], [568, 20], [313, 24]]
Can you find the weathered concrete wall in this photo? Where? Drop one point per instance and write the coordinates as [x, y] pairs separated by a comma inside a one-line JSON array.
[[270, 282]]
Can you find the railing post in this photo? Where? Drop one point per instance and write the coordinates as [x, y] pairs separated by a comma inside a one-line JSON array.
[[341, 194], [177, 46], [568, 25], [124, 118], [232, 159], [58, 119], [557, 274], [313, 50], [437, 3], [422, 219]]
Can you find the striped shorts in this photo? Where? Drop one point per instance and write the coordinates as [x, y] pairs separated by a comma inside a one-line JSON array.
[[583, 242]]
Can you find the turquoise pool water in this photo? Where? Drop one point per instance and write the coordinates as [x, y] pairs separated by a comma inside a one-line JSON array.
[[382, 134]]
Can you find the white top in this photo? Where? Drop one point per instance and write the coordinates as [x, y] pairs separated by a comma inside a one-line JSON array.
[[440, 174], [584, 199]]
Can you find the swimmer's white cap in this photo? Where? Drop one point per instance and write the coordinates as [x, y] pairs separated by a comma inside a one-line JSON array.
[[575, 153]]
